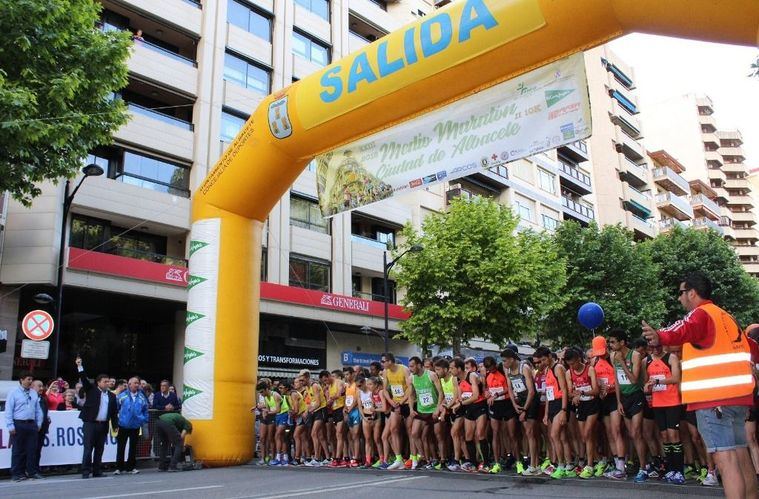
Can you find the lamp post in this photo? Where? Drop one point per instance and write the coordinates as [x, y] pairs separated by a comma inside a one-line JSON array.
[[91, 170], [386, 271]]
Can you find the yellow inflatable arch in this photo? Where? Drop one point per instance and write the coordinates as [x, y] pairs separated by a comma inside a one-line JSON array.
[[448, 55]]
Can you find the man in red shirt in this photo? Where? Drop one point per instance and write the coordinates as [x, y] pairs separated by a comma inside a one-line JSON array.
[[720, 422]]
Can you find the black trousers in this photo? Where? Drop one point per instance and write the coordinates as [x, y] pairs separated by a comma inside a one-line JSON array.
[[40, 443], [168, 435], [24, 448], [95, 434], [131, 435]]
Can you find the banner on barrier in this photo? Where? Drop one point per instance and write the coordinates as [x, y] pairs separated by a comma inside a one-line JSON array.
[[63, 444], [538, 111]]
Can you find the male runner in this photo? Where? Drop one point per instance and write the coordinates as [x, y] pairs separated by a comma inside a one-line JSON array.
[[427, 402], [397, 380]]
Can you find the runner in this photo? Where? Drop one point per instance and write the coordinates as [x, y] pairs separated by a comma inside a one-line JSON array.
[[628, 366], [539, 373], [610, 415], [317, 410], [397, 379], [583, 388], [352, 416], [501, 412], [368, 418], [334, 389], [427, 401], [268, 410], [447, 417], [557, 413], [299, 413], [526, 403], [282, 421], [476, 415], [662, 381]]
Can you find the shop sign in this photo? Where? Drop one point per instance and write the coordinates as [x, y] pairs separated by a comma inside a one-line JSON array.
[[289, 361], [104, 263], [364, 359]]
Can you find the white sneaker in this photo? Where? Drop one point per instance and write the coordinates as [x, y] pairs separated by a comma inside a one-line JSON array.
[[117, 472], [134, 472], [397, 465], [532, 471], [261, 462], [710, 480]]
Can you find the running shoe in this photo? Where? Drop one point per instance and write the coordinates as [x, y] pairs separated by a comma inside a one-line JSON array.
[[688, 473], [334, 464], [275, 462], [641, 477], [407, 464], [483, 468], [549, 469], [267, 459], [353, 463], [468, 467], [569, 473], [343, 463], [676, 478], [383, 466], [532, 471], [510, 460], [261, 462], [587, 472], [497, 468], [520, 467], [438, 465], [414, 464], [616, 475], [377, 464], [328, 461], [558, 473], [710, 480], [453, 466], [702, 474], [313, 463], [397, 465], [599, 469], [652, 471], [545, 464]]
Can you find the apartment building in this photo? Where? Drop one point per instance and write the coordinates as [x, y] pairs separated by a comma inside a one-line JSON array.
[[623, 185], [686, 127]]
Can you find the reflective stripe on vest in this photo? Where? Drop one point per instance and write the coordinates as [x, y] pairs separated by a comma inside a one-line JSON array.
[[721, 371]]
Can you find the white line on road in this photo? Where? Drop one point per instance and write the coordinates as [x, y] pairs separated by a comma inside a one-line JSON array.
[[165, 491], [53, 481], [305, 492]]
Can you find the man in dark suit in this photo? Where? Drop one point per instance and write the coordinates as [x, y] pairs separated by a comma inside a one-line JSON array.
[[99, 408], [39, 387]]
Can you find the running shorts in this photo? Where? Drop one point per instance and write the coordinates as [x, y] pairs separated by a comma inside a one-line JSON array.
[[690, 417], [648, 412], [633, 404], [454, 415], [668, 418], [268, 419], [502, 410], [474, 411], [426, 418], [319, 414], [588, 408], [354, 417], [282, 419], [608, 405], [335, 416], [554, 408], [533, 410]]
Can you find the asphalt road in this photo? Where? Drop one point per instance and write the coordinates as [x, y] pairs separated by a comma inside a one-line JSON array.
[[278, 483]]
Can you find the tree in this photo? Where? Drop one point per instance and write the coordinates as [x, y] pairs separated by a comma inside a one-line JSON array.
[[476, 277], [685, 250], [57, 78], [607, 267]]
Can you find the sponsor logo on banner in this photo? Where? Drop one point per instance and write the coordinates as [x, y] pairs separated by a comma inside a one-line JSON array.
[[194, 280], [288, 361], [190, 354], [176, 275], [189, 392], [345, 303], [474, 133], [279, 121], [568, 109], [196, 245]]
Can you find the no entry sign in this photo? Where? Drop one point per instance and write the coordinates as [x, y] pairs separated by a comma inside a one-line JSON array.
[[37, 325]]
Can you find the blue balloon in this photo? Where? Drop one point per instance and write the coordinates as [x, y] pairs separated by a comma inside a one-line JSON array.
[[591, 315]]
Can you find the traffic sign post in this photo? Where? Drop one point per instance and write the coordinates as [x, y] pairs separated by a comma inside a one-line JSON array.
[[37, 325]]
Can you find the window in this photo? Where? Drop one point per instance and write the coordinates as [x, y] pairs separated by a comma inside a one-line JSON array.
[[547, 181], [378, 290], [155, 174], [247, 74], [318, 7], [550, 223], [306, 213], [524, 208], [310, 50], [249, 19], [382, 4], [385, 236], [87, 233], [231, 124], [309, 273]]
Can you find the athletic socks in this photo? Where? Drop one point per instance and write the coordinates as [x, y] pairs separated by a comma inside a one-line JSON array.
[[472, 449], [619, 462], [485, 449], [677, 456]]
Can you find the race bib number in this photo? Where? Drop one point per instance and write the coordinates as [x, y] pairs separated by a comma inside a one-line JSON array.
[[466, 395], [426, 399], [449, 398], [622, 378], [496, 391], [549, 394], [397, 390], [604, 381], [660, 387], [518, 385], [367, 403], [585, 389], [349, 400]]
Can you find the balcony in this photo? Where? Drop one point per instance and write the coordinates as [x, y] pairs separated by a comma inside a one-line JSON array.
[[249, 45], [752, 268], [668, 224], [747, 234], [366, 9], [747, 251], [708, 120], [159, 132], [633, 173], [716, 174], [303, 67], [622, 117], [642, 228], [745, 217], [703, 206], [166, 68], [576, 151], [356, 42], [671, 181], [727, 232], [637, 201], [131, 264], [735, 168], [577, 210], [308, 22], [675, 206], [740, 201], [184, 14], [713, 156], [629, 146], [730, 135], [737, 183], [706, 224], [733, 152], [575, 178], [367, 253]]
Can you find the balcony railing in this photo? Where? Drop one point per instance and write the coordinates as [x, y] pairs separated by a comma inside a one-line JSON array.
[[667, 175], [702, 222], [679, 203], [150, 113], [575, 173], [369, 241], [670, 223], [168, 53], [146, 255], [573, 205], [700, 199]]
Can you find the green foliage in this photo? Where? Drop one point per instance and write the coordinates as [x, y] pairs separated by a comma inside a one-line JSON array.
[[606, 267], [476, 277], [57, 75], [686, 250]]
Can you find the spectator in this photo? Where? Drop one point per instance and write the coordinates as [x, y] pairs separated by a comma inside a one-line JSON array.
[[79, 392], [69, 402], [39, 387], [112, 384], [133, 413], [121, 386], [137, 36], [148, 391], [23, 418], [171, 428], [53, 395], [166, 400], [99, 407], [143, 383]]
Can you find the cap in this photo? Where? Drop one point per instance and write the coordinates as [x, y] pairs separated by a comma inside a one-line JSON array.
[[304, 372], [512, 347], [599, 346]]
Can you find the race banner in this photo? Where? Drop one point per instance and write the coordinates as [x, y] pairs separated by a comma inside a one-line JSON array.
[[64, 443], [538, 111]]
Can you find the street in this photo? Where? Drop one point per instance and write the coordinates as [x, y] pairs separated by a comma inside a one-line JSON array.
[[255, 482]]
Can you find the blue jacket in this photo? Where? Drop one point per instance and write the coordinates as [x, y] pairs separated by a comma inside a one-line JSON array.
[[132, 413]]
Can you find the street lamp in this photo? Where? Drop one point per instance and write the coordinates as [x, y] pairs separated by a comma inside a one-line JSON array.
[[91, 170], [386, 271]]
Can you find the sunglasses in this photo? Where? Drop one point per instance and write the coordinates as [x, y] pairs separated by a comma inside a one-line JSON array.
[[681, 291]]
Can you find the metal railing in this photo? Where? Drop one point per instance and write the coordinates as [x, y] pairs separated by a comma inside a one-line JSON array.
[[709, 204], [168, 53], [573, 205], [575, 173], [150, 113], [670, 174], [369, 241], [148, 256]]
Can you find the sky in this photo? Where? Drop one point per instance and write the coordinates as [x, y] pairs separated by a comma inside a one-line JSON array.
[[666, 67]]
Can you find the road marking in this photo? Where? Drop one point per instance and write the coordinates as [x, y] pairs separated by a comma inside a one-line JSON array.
[[53, 481], [305, 492], [167, 491]]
